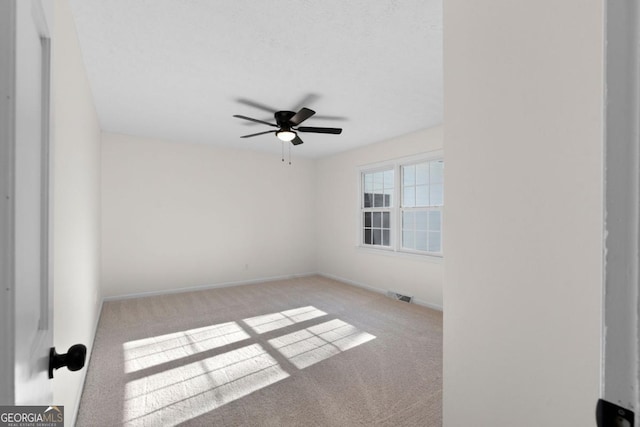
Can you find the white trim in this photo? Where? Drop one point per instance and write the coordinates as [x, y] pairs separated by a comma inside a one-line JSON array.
[[620, 334], [378, 290], [256, 281], [46, 287], [7, 138], [205, 287], [425, 155], [418, 256]]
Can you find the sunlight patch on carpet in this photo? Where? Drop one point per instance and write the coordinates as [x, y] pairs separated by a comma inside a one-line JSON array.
[[153, 351], [180, 394], [273, 321], [314, 344]]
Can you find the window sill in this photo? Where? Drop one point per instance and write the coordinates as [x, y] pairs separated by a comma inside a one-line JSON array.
[[437, 259]]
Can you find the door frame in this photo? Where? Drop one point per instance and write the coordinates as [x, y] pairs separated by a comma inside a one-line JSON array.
[[7, 141], [621, 299]]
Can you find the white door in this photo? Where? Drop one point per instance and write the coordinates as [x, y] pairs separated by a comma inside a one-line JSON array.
[[27, 294]]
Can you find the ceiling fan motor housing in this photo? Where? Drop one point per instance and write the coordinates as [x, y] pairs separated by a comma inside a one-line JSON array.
[[283, 117]]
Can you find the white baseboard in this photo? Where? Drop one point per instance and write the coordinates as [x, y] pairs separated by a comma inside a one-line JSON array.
[[205, 287], [261, 280], [378, 290]]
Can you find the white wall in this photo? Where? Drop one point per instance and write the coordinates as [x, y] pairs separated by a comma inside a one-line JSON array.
[[178, 215], [523, 268], [337, 204], [76, 166]]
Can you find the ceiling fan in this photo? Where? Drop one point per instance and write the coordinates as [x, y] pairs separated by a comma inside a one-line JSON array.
[[288, 124]]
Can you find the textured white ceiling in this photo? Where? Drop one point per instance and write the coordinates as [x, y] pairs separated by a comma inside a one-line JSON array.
[[179, 69]]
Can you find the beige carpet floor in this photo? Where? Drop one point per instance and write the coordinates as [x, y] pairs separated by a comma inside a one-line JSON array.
[[301, 352]]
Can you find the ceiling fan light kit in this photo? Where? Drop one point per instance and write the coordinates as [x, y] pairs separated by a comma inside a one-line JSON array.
[[286, 135]]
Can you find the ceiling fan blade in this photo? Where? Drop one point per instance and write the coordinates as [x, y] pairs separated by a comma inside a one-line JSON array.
[[254, 120], [259, 133], [296, 141], [301, 116], [308, 99], [257, 105], [335, 131], [336, 118]]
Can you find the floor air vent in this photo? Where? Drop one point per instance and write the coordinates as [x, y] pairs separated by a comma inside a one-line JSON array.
[[399, 297]]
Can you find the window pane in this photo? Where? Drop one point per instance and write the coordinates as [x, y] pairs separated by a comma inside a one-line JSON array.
[[377, 236], [388, 179], [421, 240], [386, 237], [367, 236], [435, 221], [378, 178], [368, 200], [421, 220], [377, 219], [434, 242], [409, 197], [436, 169], [378, 200], [408, 240], [368, 183], [408, 220], [387, 198], [367, 219], [386, 217], [408, 175], [422, 174], [422, 195], [435, 192]]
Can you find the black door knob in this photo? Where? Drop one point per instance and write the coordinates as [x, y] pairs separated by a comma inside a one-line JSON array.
[[73, 359]]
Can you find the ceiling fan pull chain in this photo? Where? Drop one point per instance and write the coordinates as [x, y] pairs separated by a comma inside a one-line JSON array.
[[289, 154], [282, 150]]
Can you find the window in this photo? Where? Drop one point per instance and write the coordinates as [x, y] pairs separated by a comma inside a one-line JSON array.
[[421, 209], [376, 207], [401, 205]]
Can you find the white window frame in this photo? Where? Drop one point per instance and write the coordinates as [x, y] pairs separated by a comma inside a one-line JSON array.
[[395, 210], [381, 209]]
